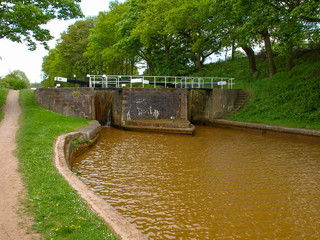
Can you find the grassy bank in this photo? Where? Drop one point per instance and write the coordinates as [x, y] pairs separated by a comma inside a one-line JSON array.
[[287, 99], [60, 213], [3, 97]]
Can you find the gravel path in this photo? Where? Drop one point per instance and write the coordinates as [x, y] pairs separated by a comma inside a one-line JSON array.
[[12, 225]]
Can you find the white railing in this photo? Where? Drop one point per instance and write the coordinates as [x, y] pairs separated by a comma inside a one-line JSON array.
[[120, 81]]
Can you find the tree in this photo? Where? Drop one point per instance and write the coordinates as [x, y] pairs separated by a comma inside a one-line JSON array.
[[176, 37], [52, 67], [23, 20], [72, 46], [130, 42], [193, 21], [168, 55], [16, 79], [67, 59], [296, 23], [306, 11], [232, 18], [103, 53]]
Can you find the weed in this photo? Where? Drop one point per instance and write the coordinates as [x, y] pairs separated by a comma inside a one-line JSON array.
[[76, 142]]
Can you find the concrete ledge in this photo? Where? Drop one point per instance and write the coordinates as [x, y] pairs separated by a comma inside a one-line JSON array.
[[63, 152], [180, 123], [163, 126], [301, 133]]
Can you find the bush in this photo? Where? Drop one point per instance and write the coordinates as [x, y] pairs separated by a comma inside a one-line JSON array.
[[16, 80]]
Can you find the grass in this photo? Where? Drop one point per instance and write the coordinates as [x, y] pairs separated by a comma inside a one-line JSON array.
[[287, 99], [59, 212], [3, 97]]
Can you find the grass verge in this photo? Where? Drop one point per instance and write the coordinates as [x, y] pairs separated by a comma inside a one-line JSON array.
[[59, 212], [3, 97]]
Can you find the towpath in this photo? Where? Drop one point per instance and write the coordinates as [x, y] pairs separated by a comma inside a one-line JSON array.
[[12, 225]]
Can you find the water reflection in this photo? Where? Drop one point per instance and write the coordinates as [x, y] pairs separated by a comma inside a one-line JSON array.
[[219, 184]]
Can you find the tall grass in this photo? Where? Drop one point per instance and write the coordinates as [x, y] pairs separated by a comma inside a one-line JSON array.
[[60, 213], [3, 97]]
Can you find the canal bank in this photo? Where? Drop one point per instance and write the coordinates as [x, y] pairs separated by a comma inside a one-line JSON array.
[[66, 148], [273, 130]]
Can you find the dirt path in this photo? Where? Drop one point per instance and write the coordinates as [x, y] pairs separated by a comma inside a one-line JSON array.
[[12, 226]]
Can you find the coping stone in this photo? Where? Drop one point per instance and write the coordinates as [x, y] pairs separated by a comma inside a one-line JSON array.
[[120, 225]]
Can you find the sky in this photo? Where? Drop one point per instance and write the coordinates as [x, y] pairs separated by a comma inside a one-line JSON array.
[[16, 56]]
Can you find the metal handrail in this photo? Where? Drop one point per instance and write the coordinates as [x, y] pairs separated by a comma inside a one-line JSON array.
[[165, 81]]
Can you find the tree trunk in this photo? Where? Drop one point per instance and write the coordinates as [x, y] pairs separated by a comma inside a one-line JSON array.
[[150, 68], [196, 58], [289, 57], [121, 66], [233, 50], [131, 66], [199, 63], [252, 59], [126, 65], [167, 53], [267, 44]]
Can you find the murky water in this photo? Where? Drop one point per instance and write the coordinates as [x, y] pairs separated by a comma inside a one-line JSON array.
[[219, 184]]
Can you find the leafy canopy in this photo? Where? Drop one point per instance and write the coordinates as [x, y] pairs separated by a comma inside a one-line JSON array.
[[67, 59], [23, 20], [178, 37]]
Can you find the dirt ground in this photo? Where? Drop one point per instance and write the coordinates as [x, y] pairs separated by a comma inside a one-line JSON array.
[[13, 225]]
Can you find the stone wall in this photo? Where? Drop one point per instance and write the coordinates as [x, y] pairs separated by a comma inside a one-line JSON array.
[[198, 106], [206, 105], [75, 102], [63, 154], [150, 103]]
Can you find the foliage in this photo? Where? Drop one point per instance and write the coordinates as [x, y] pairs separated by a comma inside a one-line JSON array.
[[66, 59], [60, 213], [16, 80], [105, 56], [3, 97], [176, 37], [23, 20], [76, 142]]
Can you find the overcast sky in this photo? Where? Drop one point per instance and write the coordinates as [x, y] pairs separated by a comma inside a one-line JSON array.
[[15, 56]]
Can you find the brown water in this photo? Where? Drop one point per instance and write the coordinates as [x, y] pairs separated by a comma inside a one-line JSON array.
[[218, 184]]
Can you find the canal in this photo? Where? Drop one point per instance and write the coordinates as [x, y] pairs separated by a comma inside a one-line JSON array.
[[218, 184]]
